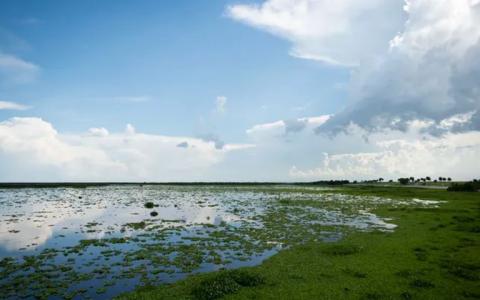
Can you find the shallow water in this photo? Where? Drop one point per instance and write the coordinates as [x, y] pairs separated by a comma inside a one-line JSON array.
[[97, 242]]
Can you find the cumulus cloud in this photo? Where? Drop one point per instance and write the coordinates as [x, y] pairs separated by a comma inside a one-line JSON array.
[[100, 132], [358, 154], [285, 127], [336, 32], [14, 70], [430, 73], [213, 138], [31, 149], [416, 60], [13, 105], [453, 155]]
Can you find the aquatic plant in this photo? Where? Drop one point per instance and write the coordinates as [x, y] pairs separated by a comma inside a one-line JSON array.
[[224, 283]]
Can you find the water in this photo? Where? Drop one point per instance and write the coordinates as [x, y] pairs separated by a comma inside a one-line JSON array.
[[97, 242]]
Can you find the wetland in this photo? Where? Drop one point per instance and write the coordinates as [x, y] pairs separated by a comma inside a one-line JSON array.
[[213, 241]]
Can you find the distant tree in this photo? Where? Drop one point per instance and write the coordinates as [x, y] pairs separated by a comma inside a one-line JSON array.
[[380, 179], [472, 186], [428, 178], [331, 182], [449, 179], [404, 181], [435, 180], [412, 179], [390, 181]]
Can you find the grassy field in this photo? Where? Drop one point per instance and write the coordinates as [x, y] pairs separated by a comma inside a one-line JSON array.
[[434, 253]]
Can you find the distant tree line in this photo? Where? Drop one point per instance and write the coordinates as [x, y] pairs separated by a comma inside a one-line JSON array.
[[331, 182], [471, 186], [407, 180], [467, 186]]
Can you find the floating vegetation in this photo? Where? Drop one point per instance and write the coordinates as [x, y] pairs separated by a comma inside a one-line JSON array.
[[100, 241], [224, 283], [136, 225], [149, 205]]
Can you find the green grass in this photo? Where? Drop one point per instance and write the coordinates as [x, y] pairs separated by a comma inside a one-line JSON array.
[[433, 254]]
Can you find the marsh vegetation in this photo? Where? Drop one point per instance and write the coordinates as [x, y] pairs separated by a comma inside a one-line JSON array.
[[303, 241]]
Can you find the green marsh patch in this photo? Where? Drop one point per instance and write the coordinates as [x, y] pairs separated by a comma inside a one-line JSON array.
[[224, 283]]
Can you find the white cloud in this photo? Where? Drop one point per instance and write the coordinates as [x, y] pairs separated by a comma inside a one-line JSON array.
[[220, 104], [31, 149], [14, 70], [259, 128], [284, 127], [12, 105], [430, 73], [359, 154], [448, 24], [337, 32], [454, 155], [214, 139], [100, 132], [417, 60]]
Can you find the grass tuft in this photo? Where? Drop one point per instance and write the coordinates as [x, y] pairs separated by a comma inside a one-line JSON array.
[[224, 283]]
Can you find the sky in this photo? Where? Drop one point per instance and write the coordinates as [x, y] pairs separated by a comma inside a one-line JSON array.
[[266, 90]]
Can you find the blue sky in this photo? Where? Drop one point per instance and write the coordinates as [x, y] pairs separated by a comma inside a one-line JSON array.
[[244, 90], [175, 57]]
